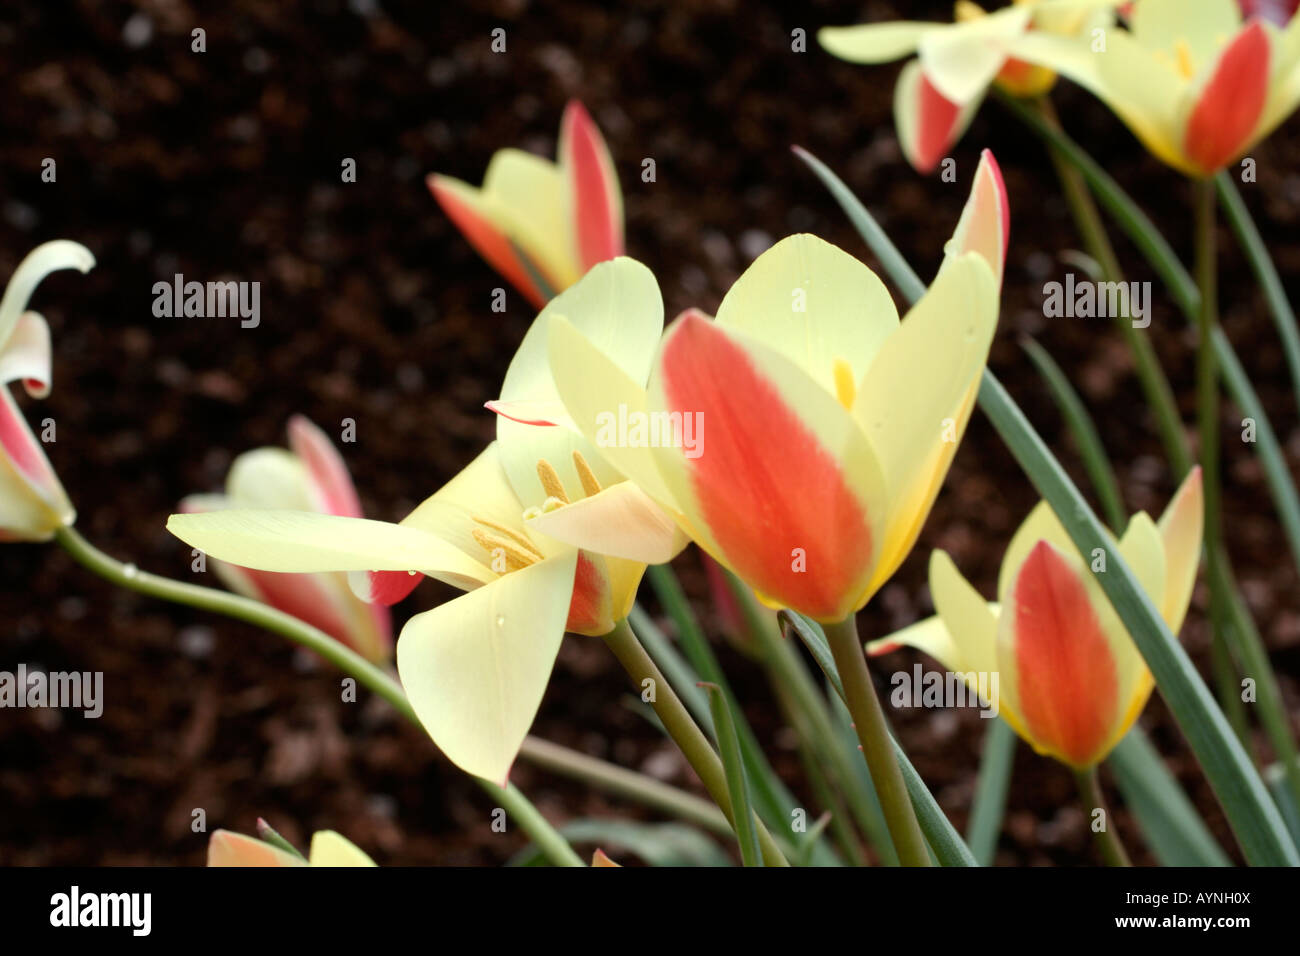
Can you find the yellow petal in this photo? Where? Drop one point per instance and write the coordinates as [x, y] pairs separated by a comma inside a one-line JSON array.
[[961, 60], [269, 478], [814, 303], [875, 42], [598, 395], [1180, 531], [475, 669], [621, 521], [1165, 24], [917, 396], [299, 541], [26, 356], [36, 265], [528, 192], [331, 849], [617, 307]]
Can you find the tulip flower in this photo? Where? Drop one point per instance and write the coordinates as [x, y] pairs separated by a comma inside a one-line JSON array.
[[475, 668], [540, 224], [1193, 82], [311, 476], [226, 848], [939, 92], [1071, 681], [33, 504], [802, 436]]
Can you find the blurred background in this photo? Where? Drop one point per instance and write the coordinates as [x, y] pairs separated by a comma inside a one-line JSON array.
[[226, 165]]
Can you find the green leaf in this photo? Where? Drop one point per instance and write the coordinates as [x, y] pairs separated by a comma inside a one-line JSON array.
[[990, 803], [737, 784], [659, 844], [1251, 812], [1170, 823]]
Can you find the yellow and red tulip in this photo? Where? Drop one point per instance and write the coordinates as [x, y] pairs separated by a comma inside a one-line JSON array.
[[475, 668], [939, 92], [826, 425], [540, 224], [1071, 681], [1197, 85], [227, 848], [33, 504], [310, 476]]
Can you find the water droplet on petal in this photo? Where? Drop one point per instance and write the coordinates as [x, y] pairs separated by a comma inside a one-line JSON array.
[[501, 620]]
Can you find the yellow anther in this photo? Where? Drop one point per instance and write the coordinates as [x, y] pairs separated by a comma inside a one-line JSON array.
[[514, 536], [846, 389], [964, 11], [551, 481], [590, 485], [499, 546]]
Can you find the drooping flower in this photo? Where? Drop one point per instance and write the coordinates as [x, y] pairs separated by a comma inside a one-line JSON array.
[[1070, 680], [475, 668], [33, 504], [227, 848], [939, 92], [540, 224], [1197, 85], [802, 436], [310, 476]]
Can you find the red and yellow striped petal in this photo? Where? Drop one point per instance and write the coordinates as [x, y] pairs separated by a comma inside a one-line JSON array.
[[327, 475], [1228, 107], [227, 848], [595, 202], [464, 207], [928, 123], [1180, 530], [783, 487], [33, 504], [1057, 660], [985, 223]]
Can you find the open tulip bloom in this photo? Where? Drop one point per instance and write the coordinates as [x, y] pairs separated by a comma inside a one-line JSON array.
[[1070, 680], [33, 504], [310, 476], [542, 224], [939, 92], [800, 437], [475, 668], [1197, 85]]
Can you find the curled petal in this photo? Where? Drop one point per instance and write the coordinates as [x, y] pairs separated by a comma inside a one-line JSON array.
[[621, 521], [330, 482], [46, 258]]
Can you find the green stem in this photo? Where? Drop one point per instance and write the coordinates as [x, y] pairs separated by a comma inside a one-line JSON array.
[[990, 803], [683, 729], [1108, 841], [627, 783], [869, 722], [1207, 381], [547, 838]]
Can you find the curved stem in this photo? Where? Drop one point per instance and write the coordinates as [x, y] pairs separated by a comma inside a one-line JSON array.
[[1108, 841], [682, 728], [128, 576], [869, 722]]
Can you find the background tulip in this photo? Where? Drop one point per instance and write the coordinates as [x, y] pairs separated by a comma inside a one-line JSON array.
[[227, 848], [311, 476], [540, 224], [1070, 680], [1193, 82], [33, 504]]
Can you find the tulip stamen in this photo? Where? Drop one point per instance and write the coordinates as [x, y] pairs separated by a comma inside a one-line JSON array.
[[1186, 65], [550, 480], [499, 545], [509, 533], [590, 485]]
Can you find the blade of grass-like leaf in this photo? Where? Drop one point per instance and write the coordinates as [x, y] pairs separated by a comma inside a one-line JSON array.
[[659, 844], [1169, 821], [772, 799], [1275, 775], [1253, 815], [1261, 263], [737, 784], [1084, 432], [945, 842], [268, 834], [773, 805], [990, 801]]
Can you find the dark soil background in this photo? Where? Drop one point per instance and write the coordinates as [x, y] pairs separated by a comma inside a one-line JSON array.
[[226, 164]]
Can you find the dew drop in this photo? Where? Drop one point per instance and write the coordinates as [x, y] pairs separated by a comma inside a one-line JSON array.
[[130, 570], [501, 620]]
